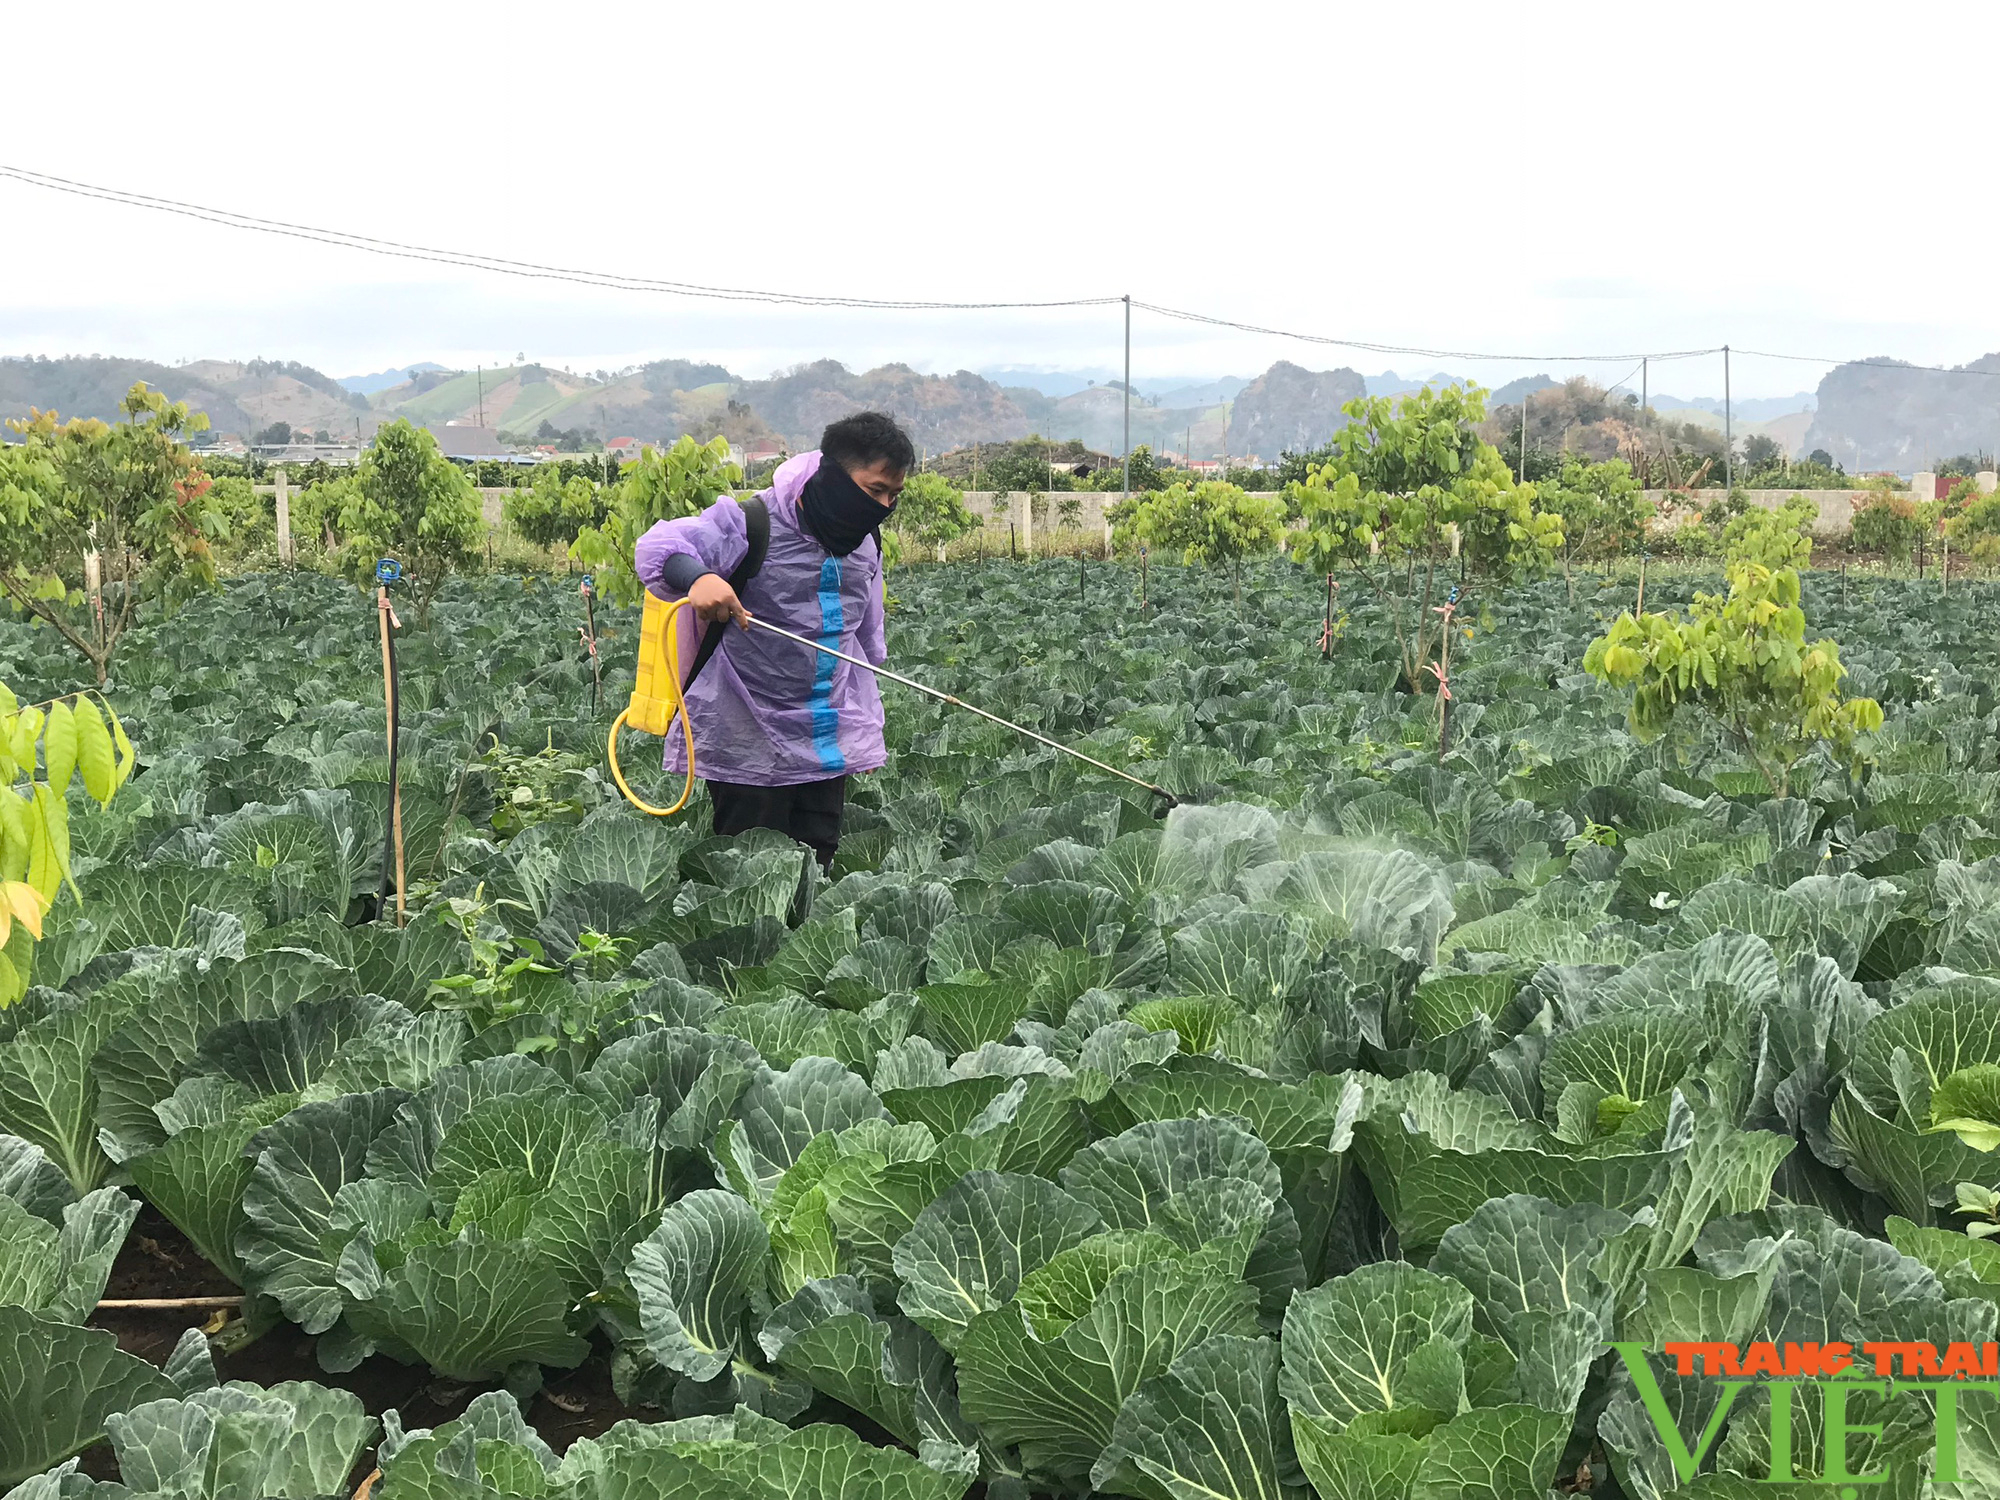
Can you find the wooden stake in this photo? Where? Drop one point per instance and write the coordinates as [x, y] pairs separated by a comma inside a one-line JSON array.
[[93, 583], [590, 643], [387, 617], [282, 493], [1444, 693], [168, 1304]]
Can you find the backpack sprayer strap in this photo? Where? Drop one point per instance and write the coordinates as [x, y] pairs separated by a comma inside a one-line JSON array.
[[757, 522]]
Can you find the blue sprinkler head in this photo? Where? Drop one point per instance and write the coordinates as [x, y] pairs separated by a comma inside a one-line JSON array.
[[590, 583], [1452, 597], [388, 571]]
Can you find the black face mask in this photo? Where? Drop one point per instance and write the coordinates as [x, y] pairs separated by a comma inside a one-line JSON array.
[[837, 511]]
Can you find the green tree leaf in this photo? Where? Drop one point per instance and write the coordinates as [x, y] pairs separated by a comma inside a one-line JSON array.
[[96, 756]]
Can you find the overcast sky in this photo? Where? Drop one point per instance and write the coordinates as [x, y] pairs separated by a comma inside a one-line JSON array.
[[1542, 179]]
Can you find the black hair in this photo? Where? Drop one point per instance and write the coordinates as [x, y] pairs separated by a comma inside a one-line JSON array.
[[867, 438]]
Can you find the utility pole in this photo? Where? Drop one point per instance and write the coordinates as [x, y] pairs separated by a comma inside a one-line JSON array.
[[1126, 488], [1645, 385], [481, 378], [1728, 429], [1523, 476]]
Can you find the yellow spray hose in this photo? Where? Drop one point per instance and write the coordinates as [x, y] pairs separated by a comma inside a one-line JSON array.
[[657, 701], [656, 697]]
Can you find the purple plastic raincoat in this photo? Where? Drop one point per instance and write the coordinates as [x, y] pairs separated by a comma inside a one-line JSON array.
[[767, 711]]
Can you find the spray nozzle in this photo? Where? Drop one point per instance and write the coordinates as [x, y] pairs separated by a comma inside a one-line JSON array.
[[388, 571]]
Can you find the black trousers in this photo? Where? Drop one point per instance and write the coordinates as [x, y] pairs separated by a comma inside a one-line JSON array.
[[809, 812]]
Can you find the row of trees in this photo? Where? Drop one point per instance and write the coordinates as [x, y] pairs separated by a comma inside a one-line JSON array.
[[95, 516], [1410, 493], [98, 519], [1898, 527], [1408, 501]]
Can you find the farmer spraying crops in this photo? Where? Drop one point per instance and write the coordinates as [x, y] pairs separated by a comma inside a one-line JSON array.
[[781, 728]]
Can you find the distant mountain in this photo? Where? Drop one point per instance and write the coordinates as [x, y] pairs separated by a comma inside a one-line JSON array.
[[1748, 409], [1288, 408], [368, 385], [1172, 390], [938, 411], [1389, 383], [1190, 393], [237, 398], [1511, 393], [1052, 383], [79, 386], [1037, 409], [1889, 415]]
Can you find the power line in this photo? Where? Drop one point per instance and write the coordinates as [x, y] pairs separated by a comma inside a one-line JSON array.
[[401, 250], [616, 281], [1628, 375], [1315, 338], [1876, 364]]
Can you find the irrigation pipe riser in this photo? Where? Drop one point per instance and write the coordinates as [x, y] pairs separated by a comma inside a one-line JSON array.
[[387, 572]]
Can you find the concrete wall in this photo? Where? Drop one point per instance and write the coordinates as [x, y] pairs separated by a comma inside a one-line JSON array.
[[1038, 521], [1038, 518], [1836, 507], [1033, 516]]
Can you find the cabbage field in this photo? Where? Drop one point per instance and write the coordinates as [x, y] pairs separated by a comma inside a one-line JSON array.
[[1317, 1137]]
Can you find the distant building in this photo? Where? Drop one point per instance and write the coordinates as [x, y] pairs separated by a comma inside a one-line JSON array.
[[467, 443], [624, 447], [298, 453], [759, 454]]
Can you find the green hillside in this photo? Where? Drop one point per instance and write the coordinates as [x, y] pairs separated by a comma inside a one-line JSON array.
[[452, 398]]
